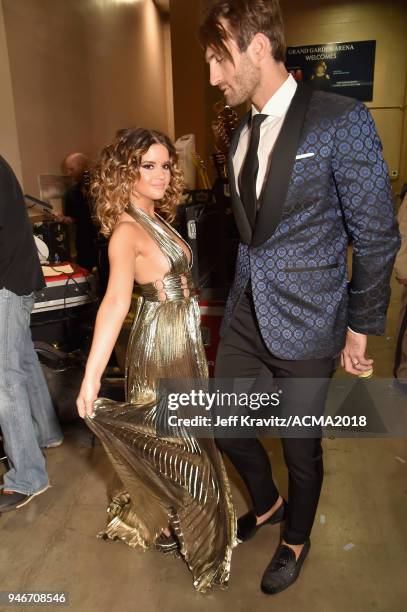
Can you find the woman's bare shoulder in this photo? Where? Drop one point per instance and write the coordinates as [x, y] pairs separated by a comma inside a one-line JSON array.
[[126, 234]]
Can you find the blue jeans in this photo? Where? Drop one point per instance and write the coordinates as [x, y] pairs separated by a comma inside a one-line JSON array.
[[27, 417]]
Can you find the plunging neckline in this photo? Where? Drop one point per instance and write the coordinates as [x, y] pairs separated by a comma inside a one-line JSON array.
[[168, 236]]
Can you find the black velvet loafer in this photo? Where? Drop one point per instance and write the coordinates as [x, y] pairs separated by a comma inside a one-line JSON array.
[[246, 524], [283, 570]]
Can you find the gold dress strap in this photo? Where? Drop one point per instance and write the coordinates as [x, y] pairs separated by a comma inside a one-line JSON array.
[[177, 284]]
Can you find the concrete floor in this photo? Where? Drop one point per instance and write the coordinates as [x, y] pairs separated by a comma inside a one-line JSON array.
[[51, 546]]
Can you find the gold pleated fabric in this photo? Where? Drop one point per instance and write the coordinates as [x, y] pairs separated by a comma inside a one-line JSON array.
[[166, 481]]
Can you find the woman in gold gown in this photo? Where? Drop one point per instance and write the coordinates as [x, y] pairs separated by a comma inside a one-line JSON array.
[[171, 492]]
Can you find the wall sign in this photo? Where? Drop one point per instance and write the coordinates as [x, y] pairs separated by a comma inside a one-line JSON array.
[[345, 68]]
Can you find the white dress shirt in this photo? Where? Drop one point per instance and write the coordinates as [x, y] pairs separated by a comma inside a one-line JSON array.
[[276, 109]]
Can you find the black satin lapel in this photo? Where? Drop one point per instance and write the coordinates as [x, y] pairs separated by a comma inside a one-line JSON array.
[[282, 163], [242, 222]]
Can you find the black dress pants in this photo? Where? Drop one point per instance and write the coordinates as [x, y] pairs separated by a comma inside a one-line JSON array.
[[243, 354]]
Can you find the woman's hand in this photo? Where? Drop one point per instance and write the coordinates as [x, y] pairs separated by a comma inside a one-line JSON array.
[[87, 395]]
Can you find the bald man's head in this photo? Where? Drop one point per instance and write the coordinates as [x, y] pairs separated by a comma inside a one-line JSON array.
[[74, 165]]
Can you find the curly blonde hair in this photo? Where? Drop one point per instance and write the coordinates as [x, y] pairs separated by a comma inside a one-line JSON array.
[[118, 169]]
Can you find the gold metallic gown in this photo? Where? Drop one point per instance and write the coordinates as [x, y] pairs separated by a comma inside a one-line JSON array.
[[162, 481]]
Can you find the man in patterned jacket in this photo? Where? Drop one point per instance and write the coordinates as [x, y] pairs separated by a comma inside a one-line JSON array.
[[307, 177]]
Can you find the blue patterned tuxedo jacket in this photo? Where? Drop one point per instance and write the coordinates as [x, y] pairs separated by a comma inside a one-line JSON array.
[[310, 210]]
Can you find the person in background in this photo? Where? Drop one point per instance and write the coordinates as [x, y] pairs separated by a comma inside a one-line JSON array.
[[27, 418], [320, 80], [307, 176], [78, 209], [400, 267]]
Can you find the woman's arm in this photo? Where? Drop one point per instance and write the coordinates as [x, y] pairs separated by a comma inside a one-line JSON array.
[[111, 314]]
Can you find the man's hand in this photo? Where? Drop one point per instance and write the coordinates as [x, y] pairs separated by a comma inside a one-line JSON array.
[[353, 356]]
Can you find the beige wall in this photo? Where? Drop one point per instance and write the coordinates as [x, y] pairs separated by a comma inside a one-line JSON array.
[[126, 65], [403, 151], [46, 50], [324, 21], [189, 73], [80, 70], [306, 22], [194, 98], [9, 148], [168, 77]]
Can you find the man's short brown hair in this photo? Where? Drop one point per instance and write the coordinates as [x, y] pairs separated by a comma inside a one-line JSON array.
[[244, 19]]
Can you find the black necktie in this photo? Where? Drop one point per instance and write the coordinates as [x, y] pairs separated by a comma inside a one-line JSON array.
[[248, 175]]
